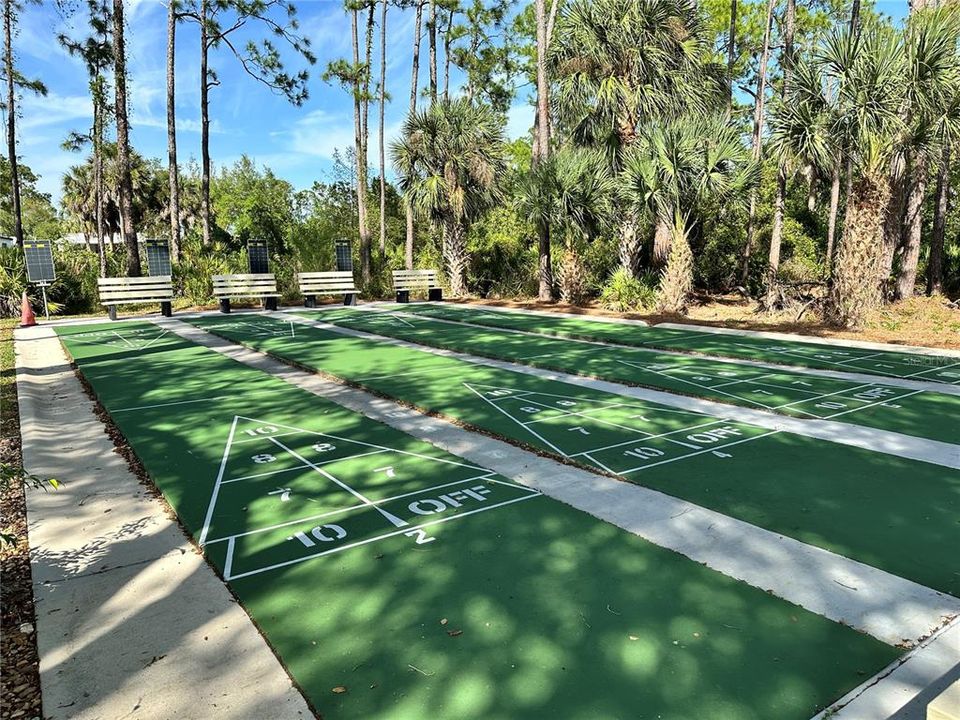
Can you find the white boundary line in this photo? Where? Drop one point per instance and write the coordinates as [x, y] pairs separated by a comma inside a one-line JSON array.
[[783, 368], [811, 340], [882, 605], [525, 427], [361, 442], [158, 405], [337, 511], [884, 441], [699, 452], [402, 531], [216, 486], [390, 517]]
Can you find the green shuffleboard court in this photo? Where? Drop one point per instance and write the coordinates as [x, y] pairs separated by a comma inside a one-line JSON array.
[[931, 415], [394, 580], [889, 512], [844, 358]]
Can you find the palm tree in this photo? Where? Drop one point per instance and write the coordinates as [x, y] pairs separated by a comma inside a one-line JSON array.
[[450, 158], [865, 66], [621, 65], [571, 191], [930, 108], [670, 175]]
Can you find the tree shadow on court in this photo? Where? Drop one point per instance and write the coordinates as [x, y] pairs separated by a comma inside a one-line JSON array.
[[534, 610]]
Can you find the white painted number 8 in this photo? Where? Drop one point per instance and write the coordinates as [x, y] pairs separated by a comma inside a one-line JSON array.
[[264, 458]]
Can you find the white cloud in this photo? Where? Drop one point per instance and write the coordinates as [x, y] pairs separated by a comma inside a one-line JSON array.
[[53, 109]]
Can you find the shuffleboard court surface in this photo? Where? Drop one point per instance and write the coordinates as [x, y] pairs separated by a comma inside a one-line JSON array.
[[398, 581], [926, 414], [781, 351], [885, 511]]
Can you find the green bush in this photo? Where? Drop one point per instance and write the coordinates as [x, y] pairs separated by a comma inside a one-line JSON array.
[[193, 276], [625, 293]]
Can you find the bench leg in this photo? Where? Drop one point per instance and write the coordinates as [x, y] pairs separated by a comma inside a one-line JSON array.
[[224, 305], [403, 296], [350, 299], [166, 309], [270, 303], [112, 311], [310, 301], [436, 294]]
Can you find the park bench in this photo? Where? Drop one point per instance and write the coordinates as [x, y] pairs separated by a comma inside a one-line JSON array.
[[406, 280], [327, 283], [254, 285], [136, 290]]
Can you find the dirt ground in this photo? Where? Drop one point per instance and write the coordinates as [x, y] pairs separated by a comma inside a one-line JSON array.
[[933, 322]]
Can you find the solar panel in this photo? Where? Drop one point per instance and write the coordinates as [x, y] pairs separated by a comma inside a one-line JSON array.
[[39, 257], [257, 253], [158, 257], [344, 258]]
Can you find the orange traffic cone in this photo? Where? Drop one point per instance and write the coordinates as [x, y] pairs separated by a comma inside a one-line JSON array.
[[27, 318]]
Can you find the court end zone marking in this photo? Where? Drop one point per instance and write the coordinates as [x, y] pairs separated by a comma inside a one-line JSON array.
[[205, 530], [216, 486], [390, 517], [893, 608], [319, 516], [643, 435], [404, 531]]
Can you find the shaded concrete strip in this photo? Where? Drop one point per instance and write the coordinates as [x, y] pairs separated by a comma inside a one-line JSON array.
[[924, 385], [884, 441], [131, 621], [886, 606], [903, 690]]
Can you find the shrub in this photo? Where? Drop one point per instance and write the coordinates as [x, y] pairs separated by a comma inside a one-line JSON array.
[[625, 293]]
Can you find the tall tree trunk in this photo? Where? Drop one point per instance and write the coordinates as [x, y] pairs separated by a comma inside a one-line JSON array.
[[383, 101], [455, 255], [852, 294], [172, 171], [855, 18], [204, 129], [366, 250], [123, 142], [414, 85], [731, 54], [12, 121], [629, 246], [832, 217], [447, 39], [757, 132], [779, 203], [907, 277], [98, 107], [432, 37], [361, 161], [893, 222], [541, 149], [662, 238], [940, 210]]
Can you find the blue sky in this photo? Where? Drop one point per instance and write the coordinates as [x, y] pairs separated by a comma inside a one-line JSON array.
[[296, 142]]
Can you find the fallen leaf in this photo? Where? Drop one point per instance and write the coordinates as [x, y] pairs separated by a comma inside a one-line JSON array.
[[339, 689], [443, 621], [454, 633]]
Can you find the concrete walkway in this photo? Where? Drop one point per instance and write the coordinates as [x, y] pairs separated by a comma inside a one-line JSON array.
[[131, 621]]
